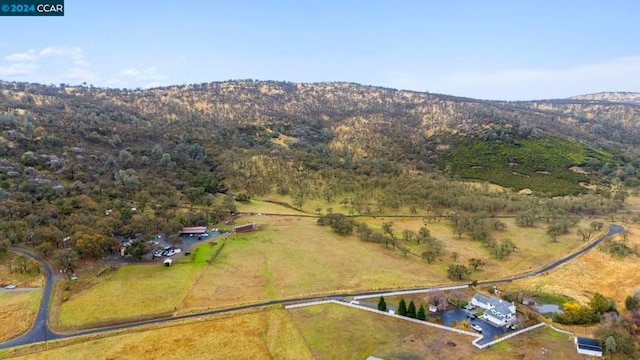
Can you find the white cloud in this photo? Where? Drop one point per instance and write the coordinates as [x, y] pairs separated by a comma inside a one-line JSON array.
[[16, 69], [25, 56], [79, 74], [73, 54], [619, 74], [135, 77], [49, 65]]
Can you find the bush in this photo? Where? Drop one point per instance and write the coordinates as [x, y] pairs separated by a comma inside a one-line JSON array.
[[457, 272], [340, 223]]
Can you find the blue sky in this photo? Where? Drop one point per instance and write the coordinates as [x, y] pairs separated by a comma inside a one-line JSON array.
[[511, 50]]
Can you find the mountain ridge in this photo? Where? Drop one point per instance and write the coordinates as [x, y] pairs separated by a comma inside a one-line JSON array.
[[321, 125]]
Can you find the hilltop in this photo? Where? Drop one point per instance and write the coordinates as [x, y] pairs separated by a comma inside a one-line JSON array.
[[620, 97]]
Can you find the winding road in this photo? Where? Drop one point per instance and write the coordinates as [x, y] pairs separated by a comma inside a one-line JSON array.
[[40, 331]]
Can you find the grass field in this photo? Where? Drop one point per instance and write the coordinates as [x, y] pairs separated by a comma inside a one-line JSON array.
[[591, 272], [13, 276], [268, 334], [291, 257], [528, 346], [535, 248], [362, 334], [17, 312], [339, 332], [129, 292], [295, 257], [266, 207]]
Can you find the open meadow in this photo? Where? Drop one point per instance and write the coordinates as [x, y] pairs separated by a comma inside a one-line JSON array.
[[267, 334], [293, 257], [362, 334], [289, 257], [596, 270], [27, 275], [130, 292], [18, 312], [535, 249]]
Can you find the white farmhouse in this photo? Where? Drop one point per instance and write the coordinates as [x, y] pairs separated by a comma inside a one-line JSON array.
[[496, 311]]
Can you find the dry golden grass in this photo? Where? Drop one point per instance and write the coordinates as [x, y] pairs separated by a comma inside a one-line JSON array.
[[283, 140], [528, 346], [535, 248], [594, 271], [268, 334], [259, 206], [17, 312], [294, 257], [365, 334], [131, 291], [339, 332], [32, 279]]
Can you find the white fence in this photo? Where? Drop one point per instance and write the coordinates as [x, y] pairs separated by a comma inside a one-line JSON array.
[[422, 322], [417, 291], [308, 304], [560, 330], [475, 342]]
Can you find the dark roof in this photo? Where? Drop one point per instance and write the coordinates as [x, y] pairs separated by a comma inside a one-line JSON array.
[[588, 344]]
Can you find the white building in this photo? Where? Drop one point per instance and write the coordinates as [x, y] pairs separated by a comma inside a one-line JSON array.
[[586, 346], [496, 311]]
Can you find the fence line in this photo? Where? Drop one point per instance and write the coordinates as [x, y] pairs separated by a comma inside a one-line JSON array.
[[426, 323], [560, 330], [416, 291], [308, 304], [475, 342], [422, 322]]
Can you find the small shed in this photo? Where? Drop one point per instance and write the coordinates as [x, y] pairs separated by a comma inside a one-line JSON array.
[[244, 228], [168, 262], [587, 346]]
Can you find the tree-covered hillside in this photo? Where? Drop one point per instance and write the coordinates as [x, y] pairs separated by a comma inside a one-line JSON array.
[[72, 153]]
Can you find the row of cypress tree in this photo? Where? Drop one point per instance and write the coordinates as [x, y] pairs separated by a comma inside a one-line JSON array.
[[404, 310]]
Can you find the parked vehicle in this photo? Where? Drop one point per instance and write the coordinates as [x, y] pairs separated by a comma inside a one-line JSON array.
[[11, 286], [476, 327]]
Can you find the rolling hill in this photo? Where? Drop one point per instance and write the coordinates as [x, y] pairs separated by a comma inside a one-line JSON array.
[[85, 138]]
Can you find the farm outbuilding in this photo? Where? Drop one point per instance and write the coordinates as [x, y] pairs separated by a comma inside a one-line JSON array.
[[244, 228], [195, 230], [587, 346], [167, 262]]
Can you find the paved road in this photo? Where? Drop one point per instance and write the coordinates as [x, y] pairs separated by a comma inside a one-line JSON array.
[[613, 230], [41, 332]]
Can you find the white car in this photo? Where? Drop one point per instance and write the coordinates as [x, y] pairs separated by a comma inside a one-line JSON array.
[[476, 327], [10, 286], [177, 251], [171, 253]]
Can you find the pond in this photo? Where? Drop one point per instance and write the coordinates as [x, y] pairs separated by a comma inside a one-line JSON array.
[[548, 308]]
